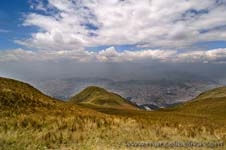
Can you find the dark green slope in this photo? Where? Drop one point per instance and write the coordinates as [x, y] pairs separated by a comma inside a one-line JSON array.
[[98, 97]]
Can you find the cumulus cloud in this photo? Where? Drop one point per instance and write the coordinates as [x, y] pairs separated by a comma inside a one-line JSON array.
[[112, 55], [66, 27], [215, 55], [72, 24]]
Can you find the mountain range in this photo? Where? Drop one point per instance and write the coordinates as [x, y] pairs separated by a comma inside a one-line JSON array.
[[160, 92], [98, 119]]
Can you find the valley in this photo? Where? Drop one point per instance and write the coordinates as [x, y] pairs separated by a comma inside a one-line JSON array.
[[161, 93], [31, 120]]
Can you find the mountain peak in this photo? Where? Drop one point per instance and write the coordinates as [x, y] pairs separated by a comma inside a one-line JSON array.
[[99, 97]]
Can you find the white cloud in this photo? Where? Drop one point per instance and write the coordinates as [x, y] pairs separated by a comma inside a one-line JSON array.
[[70, 24], [215, 55], [66, 27], [112, 55]]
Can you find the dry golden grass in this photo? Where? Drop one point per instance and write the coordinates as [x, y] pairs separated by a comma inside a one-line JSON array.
[[30, 120], [87, 129]]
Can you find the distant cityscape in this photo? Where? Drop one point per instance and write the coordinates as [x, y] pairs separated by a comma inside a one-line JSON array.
[[157, 92]]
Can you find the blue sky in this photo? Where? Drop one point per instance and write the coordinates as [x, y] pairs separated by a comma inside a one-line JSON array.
[[11, 13], [211, 44], [12, 17]]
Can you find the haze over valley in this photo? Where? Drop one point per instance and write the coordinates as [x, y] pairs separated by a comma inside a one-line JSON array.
[[156, 92]]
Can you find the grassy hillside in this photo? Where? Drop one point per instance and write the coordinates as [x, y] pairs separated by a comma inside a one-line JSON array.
[[98, 97], [32, 120], [21, 96], [211, 103]]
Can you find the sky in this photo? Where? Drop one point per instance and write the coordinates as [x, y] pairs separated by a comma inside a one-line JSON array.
[[115, 32]]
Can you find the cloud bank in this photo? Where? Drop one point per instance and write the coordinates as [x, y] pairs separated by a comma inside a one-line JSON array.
[[112, 55]]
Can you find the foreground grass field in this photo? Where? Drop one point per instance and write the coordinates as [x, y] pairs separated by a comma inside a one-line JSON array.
[[30, 120]]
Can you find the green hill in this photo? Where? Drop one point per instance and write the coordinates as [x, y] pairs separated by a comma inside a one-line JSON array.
[[209, 103], [98, 97], [214, 93]]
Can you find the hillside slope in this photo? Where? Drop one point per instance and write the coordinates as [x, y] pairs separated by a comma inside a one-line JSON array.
[[209, 103], [98, 97], [31, 120], [18, 95]]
